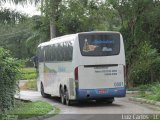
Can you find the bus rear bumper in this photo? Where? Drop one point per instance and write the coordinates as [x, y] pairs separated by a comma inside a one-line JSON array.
[[84, 94]]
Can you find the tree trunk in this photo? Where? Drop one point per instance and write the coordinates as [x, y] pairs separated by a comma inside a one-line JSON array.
[[42, 7], [52, 28], [53, 13]]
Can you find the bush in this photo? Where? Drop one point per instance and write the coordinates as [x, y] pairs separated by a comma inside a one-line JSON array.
[[9, 73], [150, 91], [156, 91], [145, 69]]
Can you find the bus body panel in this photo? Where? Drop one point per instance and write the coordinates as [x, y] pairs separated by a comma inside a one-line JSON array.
[[101, 77], [94, 94], [56, 74], [101, 82]]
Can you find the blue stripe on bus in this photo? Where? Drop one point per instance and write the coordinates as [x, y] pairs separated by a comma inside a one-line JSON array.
[[94, 93]]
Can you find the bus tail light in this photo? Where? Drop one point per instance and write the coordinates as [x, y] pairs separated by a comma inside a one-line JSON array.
[[125, 77], [76, 73]]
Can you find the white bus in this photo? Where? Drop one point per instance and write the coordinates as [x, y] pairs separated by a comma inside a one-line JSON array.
[[83, 66]]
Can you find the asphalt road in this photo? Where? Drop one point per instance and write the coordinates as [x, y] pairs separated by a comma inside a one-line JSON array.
[[96, 111]]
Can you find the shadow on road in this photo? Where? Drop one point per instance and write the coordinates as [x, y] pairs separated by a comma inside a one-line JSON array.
[[90, 103], [95, 104]]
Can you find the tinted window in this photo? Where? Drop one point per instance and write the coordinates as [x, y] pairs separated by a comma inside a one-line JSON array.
[[99, 44], [40, 53], [59, 52]]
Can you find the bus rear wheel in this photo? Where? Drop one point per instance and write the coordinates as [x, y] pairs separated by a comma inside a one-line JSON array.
[[62, 96], [68, 102], [110, 100]]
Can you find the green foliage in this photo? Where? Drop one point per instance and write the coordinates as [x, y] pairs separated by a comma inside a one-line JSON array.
[[74, 16], [40, 33], [28, 70], [153, 117], [156, 91], [26, 76], [11, 17], [150, 91], [77, 16], [140, 30], [9, 73], [23, 38], [13, 37], [140, 71]]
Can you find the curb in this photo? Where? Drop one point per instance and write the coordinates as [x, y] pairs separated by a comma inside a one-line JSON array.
[[22, 99], [151, 102], [132, 92]]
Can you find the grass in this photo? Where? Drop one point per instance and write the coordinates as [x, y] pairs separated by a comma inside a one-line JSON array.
[[29, 70], [32, 109], [150, 92], [154, 117], [30, 84], [28, 73]]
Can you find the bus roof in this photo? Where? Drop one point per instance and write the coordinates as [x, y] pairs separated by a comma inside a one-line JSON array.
[[58, 40], [70, 37]]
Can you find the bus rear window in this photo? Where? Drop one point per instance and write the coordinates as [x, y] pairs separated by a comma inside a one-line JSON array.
[[99, 44]]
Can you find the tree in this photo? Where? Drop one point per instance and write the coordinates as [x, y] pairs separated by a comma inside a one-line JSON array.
[[77, 16], [11, 16], [51, 11], [40, 33], [138, 19], [49, 8], [14, 31]]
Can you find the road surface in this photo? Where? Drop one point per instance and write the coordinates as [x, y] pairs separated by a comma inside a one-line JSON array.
[[93, 110]]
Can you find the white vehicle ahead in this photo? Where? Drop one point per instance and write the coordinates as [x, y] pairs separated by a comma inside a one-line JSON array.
[[83, 66]]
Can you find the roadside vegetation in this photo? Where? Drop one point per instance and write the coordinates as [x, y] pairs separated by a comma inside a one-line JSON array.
[[9, 75], [150, 91], [32, 109], [154, 118], [28, 73], [30, 85]]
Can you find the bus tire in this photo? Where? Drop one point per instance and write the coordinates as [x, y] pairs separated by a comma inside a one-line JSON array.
[[43, 93], [110, 100], [68, 102], [62, 96], [100, 100]]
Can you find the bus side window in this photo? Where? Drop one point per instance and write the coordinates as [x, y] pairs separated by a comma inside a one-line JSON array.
[[70, 50]]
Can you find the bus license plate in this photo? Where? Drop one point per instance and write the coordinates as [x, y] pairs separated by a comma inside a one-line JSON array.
[[102, 91]]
